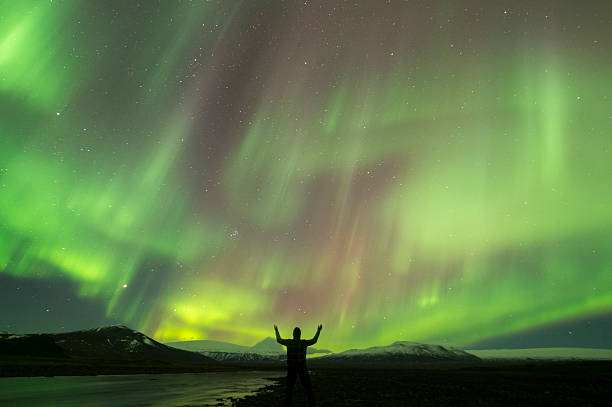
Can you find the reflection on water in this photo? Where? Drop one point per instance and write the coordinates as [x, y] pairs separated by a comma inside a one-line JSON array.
[[162, 390]]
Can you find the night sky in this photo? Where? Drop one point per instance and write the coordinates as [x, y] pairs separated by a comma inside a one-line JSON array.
[[436, 171]]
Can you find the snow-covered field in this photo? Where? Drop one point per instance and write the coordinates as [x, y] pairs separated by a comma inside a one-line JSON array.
[[545, 353]]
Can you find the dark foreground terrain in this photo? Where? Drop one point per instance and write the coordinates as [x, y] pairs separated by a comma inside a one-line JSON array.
[[489, 384]]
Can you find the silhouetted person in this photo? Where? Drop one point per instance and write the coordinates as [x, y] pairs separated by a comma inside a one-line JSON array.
[[296, 362]]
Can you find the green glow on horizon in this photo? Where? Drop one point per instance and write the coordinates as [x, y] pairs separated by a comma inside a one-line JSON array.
[[450, 200]]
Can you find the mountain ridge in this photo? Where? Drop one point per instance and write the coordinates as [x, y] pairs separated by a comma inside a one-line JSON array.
[[114, 342]]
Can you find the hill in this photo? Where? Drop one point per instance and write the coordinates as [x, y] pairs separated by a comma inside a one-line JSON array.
[[108, 350]]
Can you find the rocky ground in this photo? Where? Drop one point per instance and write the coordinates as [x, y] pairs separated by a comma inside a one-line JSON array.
[[489, 384]]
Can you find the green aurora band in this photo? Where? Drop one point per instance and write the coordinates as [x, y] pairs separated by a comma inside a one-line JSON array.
[[431, 189]]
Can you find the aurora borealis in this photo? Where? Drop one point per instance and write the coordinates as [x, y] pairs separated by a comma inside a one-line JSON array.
[[395, 170]]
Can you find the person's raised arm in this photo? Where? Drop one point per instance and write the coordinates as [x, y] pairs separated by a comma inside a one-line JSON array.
[[278, 337], [316, 337]]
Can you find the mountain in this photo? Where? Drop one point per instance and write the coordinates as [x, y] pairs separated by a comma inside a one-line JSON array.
[[268, 346], [401, 351], [266, 350], [116, 343]]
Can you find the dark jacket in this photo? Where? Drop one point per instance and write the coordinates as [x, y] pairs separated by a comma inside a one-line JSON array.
[[296, 348]]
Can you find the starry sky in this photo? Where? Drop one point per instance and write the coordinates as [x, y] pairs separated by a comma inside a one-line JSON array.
[[433, 171]]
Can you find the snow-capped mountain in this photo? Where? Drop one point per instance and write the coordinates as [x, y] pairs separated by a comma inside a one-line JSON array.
[[402, 351], [268, 346]]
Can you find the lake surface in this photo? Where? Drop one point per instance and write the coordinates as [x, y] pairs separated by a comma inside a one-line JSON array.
[[161, 390]]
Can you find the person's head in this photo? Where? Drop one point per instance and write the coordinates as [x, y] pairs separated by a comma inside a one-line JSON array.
[[297, 333]]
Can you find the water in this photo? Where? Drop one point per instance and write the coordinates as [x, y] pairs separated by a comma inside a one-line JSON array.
[[162, 390]]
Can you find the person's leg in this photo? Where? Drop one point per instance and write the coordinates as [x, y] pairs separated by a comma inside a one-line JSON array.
[[305, 379], [291, 376]]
